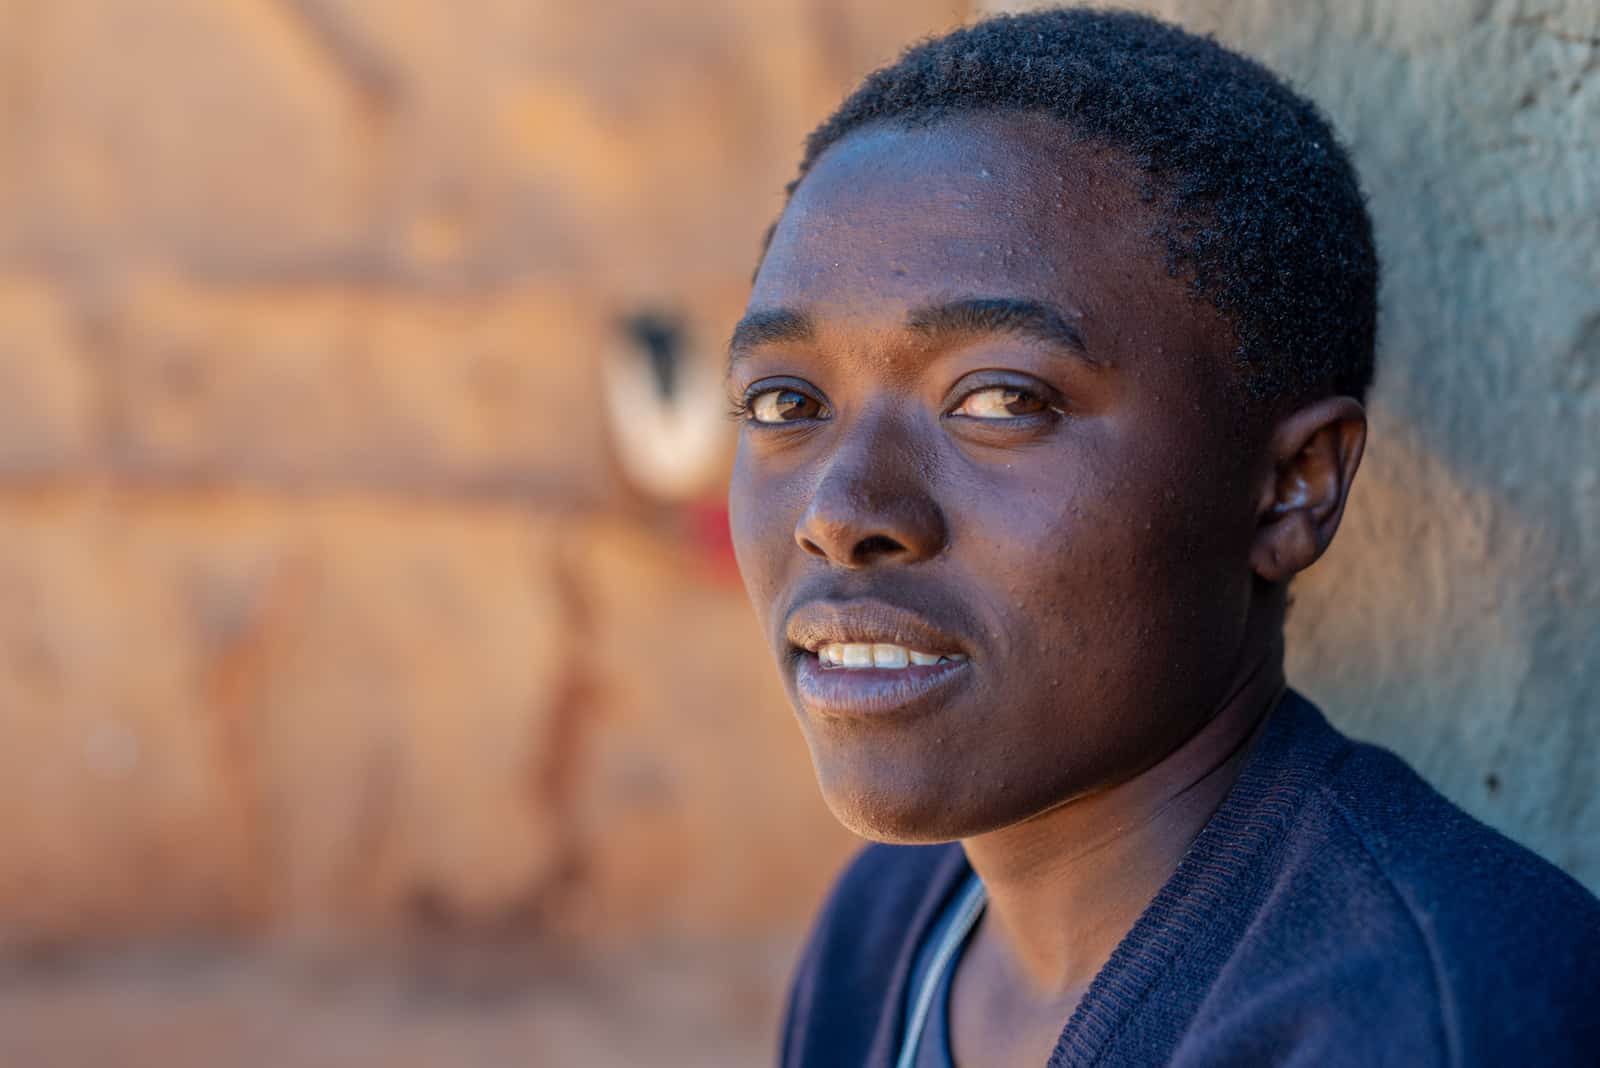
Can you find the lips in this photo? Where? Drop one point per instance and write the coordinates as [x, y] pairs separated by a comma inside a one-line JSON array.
[[868, 621], [869, 658]]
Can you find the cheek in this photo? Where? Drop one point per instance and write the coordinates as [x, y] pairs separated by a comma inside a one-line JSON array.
[[762, 528], [1119, 565]]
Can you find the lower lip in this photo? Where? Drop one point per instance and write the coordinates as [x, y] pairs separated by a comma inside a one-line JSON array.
[[871, 692]]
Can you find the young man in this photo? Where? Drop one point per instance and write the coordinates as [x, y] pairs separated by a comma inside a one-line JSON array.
[[1051, 382]]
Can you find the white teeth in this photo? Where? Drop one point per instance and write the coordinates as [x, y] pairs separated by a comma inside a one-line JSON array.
[[890, 656], [880, 655]]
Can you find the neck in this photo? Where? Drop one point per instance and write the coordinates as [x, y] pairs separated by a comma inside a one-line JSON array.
[[1066, 886]]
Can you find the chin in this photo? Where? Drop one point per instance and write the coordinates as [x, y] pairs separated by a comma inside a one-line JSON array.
[[895, 824], [906, 809]]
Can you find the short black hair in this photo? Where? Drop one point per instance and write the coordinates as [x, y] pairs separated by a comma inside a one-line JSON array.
[[1261, 208]]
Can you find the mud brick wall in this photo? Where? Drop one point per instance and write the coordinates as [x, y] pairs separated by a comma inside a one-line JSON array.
[[323, 608]]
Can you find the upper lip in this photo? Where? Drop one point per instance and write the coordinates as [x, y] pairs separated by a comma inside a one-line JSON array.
[[818, 623]]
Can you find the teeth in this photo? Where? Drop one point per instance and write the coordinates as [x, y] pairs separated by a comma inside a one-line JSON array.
[[880, 655], [890, 656]]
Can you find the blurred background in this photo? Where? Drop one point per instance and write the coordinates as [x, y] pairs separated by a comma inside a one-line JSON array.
[[375, 683]]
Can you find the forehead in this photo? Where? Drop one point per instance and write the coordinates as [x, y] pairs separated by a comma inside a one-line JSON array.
[[988, 205]]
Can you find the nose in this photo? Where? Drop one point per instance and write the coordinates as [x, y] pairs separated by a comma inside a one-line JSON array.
[[872, 507]]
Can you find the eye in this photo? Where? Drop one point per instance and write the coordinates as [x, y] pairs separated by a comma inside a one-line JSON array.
[[1000, 402], [783, 406]]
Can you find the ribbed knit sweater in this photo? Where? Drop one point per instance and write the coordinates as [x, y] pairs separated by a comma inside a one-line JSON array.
[[1335, 910]]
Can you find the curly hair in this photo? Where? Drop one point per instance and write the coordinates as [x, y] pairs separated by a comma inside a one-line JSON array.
[[1259, 205]]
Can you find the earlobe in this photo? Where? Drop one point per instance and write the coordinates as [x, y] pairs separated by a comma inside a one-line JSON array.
[[1315, 452]]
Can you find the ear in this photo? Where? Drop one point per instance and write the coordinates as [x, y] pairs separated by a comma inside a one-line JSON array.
[[1314, 452]]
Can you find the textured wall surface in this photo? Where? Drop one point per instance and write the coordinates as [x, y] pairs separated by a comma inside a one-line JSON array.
[[1457, 617]]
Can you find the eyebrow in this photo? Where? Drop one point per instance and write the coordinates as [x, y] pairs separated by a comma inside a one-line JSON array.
[[933, 322], [769, 326], [1001, 315]]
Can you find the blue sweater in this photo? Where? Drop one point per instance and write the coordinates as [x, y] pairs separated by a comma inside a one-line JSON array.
[[1336, 910]]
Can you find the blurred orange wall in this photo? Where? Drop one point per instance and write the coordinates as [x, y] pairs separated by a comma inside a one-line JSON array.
[[323, 608]]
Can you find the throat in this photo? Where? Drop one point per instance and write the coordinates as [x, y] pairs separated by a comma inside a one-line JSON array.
[[1000, 1017], [1066, 887]]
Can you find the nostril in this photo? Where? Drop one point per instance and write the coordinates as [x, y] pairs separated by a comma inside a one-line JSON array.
[[877, 545], [811, 547]]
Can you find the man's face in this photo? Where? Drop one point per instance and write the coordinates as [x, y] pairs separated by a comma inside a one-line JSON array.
[[986, 428]]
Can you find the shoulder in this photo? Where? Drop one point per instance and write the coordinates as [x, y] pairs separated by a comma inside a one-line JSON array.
[[860, 949], [1401, 926], [1512, 941], [1458, 877]]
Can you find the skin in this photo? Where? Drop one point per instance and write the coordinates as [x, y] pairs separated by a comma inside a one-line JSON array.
[[1081, 505]]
